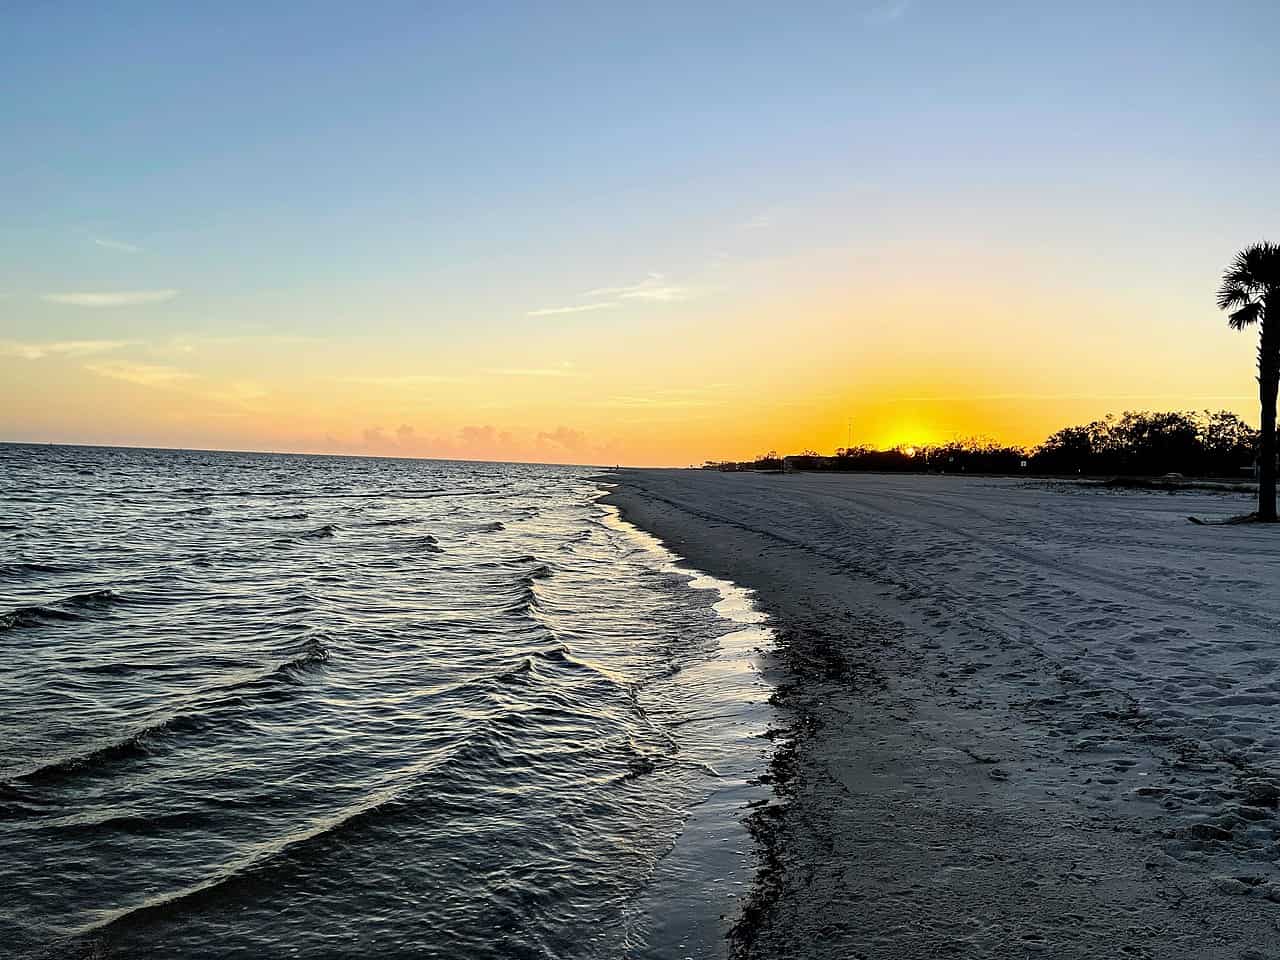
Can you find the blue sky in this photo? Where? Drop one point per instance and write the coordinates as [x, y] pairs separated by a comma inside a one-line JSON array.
[[438, 175]]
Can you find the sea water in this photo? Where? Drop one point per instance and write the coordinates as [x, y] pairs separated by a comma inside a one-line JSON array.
[[263, 705]]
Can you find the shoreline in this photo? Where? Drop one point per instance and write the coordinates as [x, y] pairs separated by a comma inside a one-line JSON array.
[[695, 888], [960, 777]]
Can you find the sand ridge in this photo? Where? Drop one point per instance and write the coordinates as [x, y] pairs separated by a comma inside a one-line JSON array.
[[1028, 718]]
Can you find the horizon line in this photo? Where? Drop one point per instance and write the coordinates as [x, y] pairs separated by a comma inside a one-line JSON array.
[[297, 453]]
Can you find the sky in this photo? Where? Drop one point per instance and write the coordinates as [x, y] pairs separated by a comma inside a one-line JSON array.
[[642, 234]]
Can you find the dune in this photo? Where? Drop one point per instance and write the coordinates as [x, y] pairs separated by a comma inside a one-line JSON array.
[[1024, 717]]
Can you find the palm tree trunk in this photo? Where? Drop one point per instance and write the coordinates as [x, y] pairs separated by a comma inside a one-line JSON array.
[[1268, 381]]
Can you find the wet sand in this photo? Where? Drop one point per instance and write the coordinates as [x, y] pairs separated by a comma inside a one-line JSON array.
[[1024, 718]]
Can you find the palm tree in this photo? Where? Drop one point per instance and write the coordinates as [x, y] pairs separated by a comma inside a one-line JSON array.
[[1251, 291]]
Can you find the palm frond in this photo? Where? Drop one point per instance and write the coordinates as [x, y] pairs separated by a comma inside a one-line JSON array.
[[1244, 316], [1233, 296], [1253, 275], [1255, 267]]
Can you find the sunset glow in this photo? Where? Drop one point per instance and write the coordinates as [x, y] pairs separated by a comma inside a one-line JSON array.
[[525, 264]]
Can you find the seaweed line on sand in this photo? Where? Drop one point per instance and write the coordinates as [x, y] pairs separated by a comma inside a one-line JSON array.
[[808, 657]]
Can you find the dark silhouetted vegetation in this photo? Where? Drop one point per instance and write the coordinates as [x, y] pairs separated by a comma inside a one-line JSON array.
[[1149, 444], [1251, 291], [1134, 444], [765, 461]]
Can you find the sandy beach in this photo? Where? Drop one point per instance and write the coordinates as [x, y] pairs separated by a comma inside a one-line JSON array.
[[1025, 717]]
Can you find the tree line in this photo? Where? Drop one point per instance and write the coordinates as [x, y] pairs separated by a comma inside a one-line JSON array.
[[1202, 444]]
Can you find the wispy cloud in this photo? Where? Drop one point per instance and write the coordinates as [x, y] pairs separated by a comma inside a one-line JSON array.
[[629, 288], [581, 308], [253, 338], [239, 393], [888, 11], [144, 374], [1177, 398], [191, 343], [660, 294], [660, 402], [59, 348], [118, 298], [407, 380], [532, 372], [110, 244], [652, 288]]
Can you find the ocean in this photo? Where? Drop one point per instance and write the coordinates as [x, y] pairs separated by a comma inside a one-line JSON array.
[[303, 706]]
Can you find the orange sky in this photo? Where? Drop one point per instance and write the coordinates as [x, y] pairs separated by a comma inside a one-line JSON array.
[[708, 375], [608, 238]]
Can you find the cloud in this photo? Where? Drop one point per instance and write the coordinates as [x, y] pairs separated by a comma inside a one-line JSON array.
[[1177, 398], [401, 381], [888, 11], [582, 308], [121, 298], [652, 288], [563, 437], [484, 439], [59, 348], [533, 372], [479, 441], [629, 288], [658, 294], [190, 343], [239, 393], [120, 245], [144, 374], [252, 337], [659, 402], [374, 438]]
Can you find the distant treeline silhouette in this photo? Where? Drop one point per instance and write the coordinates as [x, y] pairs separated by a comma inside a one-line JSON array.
[[1201, 444]]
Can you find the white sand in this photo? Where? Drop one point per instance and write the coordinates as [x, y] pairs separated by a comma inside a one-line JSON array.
[[1033, 718]]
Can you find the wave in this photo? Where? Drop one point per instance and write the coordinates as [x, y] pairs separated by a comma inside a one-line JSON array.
[[195, 717], [559, 656], [322, 532], [256, 863], [580, 536], [22, 569], [428, 543], [300, 515], [525, 599], [315, 653], [133, 746], [121, 669], [73, 608], [393, 522], [196, 512], [563, 655], [520, 560], [144, 825]]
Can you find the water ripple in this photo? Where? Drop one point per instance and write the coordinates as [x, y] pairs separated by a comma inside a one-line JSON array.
[[256, 704]]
